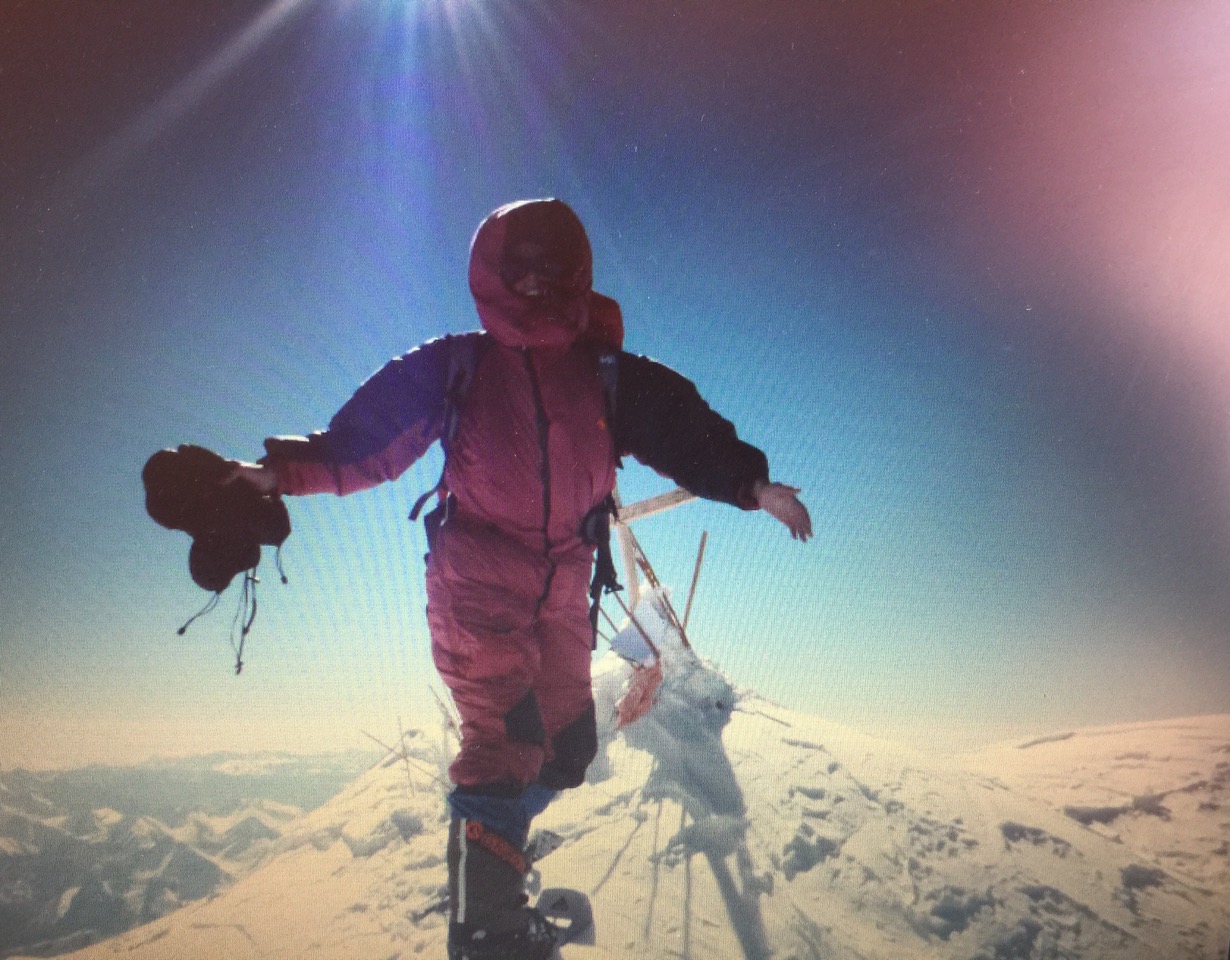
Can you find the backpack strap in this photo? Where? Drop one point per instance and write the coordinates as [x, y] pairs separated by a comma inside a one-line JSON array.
[[596, 527], [596, 531], [462, 363], [608, 372], [463, 355]]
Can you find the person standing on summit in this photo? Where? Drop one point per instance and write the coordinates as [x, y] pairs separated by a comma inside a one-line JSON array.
[[531, 448]]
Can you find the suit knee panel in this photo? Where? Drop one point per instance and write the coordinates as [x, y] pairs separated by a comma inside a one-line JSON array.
[[573, 749], [523, 723]]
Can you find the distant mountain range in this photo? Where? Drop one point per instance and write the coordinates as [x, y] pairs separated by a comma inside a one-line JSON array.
[[89, 853]]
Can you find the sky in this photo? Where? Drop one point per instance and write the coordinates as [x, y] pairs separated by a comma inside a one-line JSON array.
[[958, 268]]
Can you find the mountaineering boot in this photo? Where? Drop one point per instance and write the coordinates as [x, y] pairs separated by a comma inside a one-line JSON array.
[[488, 916]]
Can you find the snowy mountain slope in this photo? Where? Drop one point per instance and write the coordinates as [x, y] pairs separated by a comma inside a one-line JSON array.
[[65, 885], [89, 853], [722, 826], [1162, 789]]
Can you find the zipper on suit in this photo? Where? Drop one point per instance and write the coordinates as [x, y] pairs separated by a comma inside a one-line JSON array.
[[544, 429]]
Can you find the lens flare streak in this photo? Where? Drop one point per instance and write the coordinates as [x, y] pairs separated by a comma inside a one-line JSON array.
[[185, 95]]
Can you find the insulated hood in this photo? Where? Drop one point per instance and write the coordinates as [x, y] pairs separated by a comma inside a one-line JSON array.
[[517, 320]]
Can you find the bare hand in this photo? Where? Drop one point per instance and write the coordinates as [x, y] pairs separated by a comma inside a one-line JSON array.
[[782, 502], [256, 475]]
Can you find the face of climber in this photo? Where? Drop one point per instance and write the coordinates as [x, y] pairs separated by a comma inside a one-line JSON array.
[[531, 272], [550, 267]]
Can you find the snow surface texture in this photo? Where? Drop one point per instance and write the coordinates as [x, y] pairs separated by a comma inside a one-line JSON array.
[[723, 827]]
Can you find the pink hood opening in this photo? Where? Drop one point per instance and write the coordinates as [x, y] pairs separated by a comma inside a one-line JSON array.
[[519, 321]]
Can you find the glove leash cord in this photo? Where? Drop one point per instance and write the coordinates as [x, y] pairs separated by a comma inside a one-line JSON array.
[[213, 602], [246, 612]]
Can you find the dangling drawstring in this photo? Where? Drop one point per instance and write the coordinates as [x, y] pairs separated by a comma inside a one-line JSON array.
[[213, 602], [250, 582], [245, 614], [277, 559]]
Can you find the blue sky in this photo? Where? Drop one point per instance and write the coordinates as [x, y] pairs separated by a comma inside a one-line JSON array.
[[953, 267]]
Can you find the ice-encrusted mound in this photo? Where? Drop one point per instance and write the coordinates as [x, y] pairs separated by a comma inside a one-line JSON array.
[[683, 732]]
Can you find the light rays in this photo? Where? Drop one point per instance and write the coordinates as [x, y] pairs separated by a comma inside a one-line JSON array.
[[493, 87], [184, 96]]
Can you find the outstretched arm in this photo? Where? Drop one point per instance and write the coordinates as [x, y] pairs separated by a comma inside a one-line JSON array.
[[387, 425], [662, 420]]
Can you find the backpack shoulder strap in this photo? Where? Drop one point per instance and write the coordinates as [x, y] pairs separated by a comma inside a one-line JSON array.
[[463, 355], [596, 525], [608, 372], [464, 352]]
